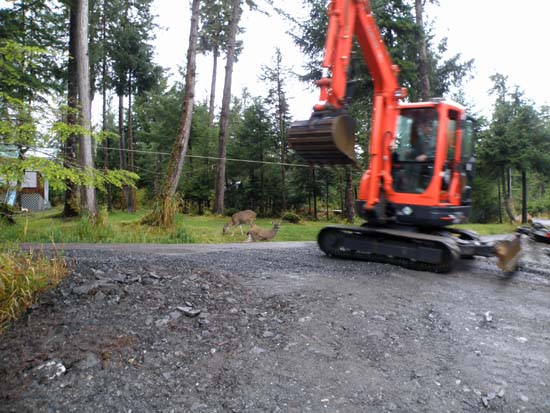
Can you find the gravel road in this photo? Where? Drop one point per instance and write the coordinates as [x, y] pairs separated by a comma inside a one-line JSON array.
[[279, 327]]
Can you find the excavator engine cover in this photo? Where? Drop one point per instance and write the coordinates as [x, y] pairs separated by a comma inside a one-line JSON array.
[[325, 140]]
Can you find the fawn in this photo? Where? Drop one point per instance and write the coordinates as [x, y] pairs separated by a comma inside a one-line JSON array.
[[258, 234]]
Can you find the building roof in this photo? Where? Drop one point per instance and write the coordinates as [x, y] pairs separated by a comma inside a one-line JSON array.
[[9, 151]]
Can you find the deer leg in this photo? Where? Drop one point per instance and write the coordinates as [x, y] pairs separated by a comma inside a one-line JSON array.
[[241, 227]]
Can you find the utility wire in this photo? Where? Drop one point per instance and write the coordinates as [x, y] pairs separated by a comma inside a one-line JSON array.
[[36, 149], [205, 157]]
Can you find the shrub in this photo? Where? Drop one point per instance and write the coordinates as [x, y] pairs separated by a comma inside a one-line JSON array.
[[291, 217], [88, 231], [181, 236], [229, 211], [6, 214]]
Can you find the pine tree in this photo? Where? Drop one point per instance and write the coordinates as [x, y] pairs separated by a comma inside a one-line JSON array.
[[219, 189], [164, 213]]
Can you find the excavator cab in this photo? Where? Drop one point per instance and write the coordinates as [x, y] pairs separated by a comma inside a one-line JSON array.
[[425, 168], [414, 150]]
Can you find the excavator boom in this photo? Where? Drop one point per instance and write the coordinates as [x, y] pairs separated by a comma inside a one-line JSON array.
[[321, 139]]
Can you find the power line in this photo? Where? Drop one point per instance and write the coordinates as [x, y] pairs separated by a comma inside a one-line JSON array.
[[36, 149], [206, 157]]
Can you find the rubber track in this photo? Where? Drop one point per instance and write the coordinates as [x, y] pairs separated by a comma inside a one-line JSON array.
[[357, 255]]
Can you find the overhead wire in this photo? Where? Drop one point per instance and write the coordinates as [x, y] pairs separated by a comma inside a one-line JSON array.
[[206, 157], [36, 149]]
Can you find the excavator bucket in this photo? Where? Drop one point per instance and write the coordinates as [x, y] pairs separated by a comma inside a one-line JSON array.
[[507, 252], [325, 140]]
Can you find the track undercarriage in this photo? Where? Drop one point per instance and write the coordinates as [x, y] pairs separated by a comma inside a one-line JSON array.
[[437, 251]]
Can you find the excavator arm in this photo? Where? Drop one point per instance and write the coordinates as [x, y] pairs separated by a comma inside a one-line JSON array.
[[348, 18], [330, 133]]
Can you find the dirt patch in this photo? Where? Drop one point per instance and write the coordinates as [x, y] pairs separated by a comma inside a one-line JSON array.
[[279, 328]]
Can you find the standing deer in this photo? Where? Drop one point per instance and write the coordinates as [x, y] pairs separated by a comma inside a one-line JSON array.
[[238, 219], [258, 234]]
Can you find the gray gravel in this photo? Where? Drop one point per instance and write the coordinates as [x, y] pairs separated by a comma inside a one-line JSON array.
[[279, 327]]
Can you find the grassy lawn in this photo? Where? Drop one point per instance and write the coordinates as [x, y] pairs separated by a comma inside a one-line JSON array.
[[122, 227]]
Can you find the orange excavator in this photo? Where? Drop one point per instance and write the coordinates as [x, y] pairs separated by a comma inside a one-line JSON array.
[[421, 161]]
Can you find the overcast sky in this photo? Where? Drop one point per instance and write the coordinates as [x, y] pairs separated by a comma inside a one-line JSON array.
[[504, 36]]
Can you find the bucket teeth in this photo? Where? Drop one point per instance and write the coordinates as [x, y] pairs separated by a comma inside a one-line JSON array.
[[508, 253], [325, 140]]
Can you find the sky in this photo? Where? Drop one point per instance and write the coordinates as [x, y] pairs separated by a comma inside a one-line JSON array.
[[504, 36]]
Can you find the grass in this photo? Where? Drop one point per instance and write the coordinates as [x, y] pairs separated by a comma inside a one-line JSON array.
[[23, 276], [123, 227], [490, 229]]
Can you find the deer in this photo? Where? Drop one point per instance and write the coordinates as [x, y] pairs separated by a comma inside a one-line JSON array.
[[238, 219], [258, 234]]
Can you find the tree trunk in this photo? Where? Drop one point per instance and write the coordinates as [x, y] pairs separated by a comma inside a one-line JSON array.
[[88, 201], [219, 191], [508, 202], [314, 193], [326, 196], [215, 54], [131, 204], [425, 89], [71, 204], [107, 144], [499, 185], [350, 199], [281, 106], [283, 171], [166, 213], [104, 108], [122, 152], [523, 197], [156, 186], [508, 182]]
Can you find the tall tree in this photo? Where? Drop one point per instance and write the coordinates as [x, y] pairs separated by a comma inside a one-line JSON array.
[[219, 189], [88, 194], [212, 39], [515, 141], [71, 201], [132, 56], [165, 211], [275, 76], [423, 63]]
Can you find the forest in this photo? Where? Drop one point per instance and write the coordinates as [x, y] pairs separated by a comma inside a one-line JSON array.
[[158, 148]]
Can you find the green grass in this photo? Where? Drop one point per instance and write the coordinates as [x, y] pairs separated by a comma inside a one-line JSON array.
[[123, 227], [490, 229]]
